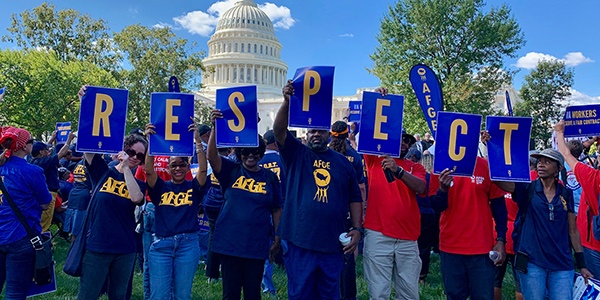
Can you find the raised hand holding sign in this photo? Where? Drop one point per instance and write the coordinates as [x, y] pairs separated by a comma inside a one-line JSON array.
[[312, 101]]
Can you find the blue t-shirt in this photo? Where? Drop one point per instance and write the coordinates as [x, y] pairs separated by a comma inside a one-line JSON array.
[[272, 161], [244, 224], [319, 188], [22, 181], [546, 241], [65, 189], [425, 202], [176, 206], [80, 195], [213, 200], [357, 163], [111, 227], [50, 166]]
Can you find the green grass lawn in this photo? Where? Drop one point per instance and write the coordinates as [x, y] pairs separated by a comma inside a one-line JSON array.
[[68, 286]]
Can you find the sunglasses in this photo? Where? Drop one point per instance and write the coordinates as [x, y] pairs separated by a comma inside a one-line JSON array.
[[132, 153], [175, 166], [406, 140], [248, 151]]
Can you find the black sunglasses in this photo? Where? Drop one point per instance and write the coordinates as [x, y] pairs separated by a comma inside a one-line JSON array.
[[406, 140], [132, 153], [248, 151]]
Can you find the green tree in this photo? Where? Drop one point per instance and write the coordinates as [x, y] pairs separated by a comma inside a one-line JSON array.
[[154, 54], [464, 45], [544, 93], [42, 89], [70, 34]]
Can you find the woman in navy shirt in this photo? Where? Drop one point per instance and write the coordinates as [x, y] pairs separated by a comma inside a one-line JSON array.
[[22, 181], [175, 247], [547, 233], [242, 232]]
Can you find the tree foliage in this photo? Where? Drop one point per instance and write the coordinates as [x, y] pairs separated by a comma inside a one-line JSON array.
[[544, 93], [42, 89], [464, 45]]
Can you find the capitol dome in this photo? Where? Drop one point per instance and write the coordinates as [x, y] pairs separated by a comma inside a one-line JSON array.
[[245, 51]]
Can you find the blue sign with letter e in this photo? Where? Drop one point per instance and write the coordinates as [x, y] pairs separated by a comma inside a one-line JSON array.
[[381, 124], [312, 101], [102, 119], [456, 143], [508, 148], [171, 114], [239, 125], [582, 120]]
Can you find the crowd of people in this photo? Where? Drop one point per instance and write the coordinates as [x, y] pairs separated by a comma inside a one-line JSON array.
[[311, 205]]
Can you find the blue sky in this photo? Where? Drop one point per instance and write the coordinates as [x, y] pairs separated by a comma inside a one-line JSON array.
[[343, 33]]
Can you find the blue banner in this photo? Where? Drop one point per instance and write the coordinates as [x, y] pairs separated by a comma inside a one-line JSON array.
[[203, 221], [381, 119], [582, 120], [355, 107], [173, 85], [171, 114], [239, 125], [102, 119], [508, 147], [508, 104], [63, 129], [428, 91], [456, 143], [312, 101]]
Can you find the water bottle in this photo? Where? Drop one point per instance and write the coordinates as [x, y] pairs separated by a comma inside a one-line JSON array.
[[494, 255]]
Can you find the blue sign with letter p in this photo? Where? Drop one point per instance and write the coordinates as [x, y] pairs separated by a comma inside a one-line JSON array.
[[456, 143], [312, 101]]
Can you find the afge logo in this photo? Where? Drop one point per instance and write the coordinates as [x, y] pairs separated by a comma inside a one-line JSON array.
[[322, 179]]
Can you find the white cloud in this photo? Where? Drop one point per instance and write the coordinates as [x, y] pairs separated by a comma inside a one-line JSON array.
[[579, 98], [162, 25], [531, 59], [350, 35], [203, 23]]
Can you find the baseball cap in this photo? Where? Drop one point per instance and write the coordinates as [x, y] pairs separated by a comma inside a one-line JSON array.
[[269, 137], [37, 147], [137, 131], [551, 154]]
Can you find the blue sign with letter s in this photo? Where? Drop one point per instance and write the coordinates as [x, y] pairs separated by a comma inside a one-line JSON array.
[[456, 143], [312, 101], [239, 125], [508, 148], [171, 114]]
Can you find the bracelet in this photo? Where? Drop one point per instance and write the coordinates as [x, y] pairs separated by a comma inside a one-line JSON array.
[[499, 239], [359, 229], [399, 173], [580, 260]]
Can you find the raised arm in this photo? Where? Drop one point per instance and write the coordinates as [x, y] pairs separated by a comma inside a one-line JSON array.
[[65, 148], [559, 128], [200, 155], [281, 119], [135, 193], [213, 154], [151, 176]]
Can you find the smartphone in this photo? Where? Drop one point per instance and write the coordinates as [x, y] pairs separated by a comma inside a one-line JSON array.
[[521, 261]]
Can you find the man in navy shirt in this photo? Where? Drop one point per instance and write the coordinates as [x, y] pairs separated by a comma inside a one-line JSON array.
[[43, 157], [320, 189]]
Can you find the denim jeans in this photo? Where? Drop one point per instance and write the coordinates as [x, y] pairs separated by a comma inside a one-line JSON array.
[[173, 262], [540, 283], [203, 244], [16, 268], [467, 275], [146, 242], [95, 269], [592, 260]]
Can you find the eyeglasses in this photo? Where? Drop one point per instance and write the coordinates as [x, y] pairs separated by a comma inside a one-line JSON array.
[[132, 153], [248, 151], [551, 209], [175, 166]]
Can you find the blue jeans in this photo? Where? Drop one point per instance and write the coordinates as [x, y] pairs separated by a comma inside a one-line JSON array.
[[203, 244], [173, 262], [592, 260], [468, 275], [96, 267], [540, 283], [146, 242], [16, 268]]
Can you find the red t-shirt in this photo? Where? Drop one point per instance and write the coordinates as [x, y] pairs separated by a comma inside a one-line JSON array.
[[466, 226], [589, 178], [392, 208]]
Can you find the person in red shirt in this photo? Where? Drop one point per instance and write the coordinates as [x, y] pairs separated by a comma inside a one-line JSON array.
[[468, 205], [589, 178], [392, 225]]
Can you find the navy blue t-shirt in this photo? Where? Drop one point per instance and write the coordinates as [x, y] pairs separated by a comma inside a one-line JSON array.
[[272, 162], [244, 224], [112, 225], [546, 241], [319, 188], [65, 189], [425, 201], [80, 195], [50, 165], [176, 206], [357, 163]]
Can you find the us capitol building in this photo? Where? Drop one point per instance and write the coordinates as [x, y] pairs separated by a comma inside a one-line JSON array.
[[245, 51]]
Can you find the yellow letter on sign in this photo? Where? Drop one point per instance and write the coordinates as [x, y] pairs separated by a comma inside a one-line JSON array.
[[379, 119], [453, 133], [100, 116], [308, 90], [236, 111], [508, 128], [170, 119]]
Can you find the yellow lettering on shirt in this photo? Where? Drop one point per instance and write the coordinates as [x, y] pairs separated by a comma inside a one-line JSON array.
[[176, 199], [250, 185], [322, 164], [115, 187], [213, 180], [273, 167]]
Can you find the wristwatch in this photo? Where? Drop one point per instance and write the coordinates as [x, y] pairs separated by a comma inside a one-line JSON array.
[[501, 240], [359, 229], [399, 172]]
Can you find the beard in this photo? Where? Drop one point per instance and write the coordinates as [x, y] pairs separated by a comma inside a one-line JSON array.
[[317, 146]]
